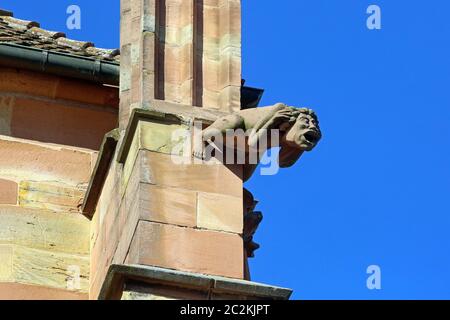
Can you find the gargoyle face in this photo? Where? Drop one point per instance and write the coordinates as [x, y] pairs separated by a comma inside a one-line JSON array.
[[304, 133]]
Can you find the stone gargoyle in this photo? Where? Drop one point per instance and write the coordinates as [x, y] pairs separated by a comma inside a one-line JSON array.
[[298, 131]]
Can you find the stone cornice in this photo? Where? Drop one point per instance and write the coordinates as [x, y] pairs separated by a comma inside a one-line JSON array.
[[118, 274]]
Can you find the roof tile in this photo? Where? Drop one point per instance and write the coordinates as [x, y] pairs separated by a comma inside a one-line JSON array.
[[74, 44], [28, 33], [17, 23], [46, 33]]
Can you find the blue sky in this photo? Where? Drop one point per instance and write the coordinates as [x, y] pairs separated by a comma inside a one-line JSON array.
[[376, 190]]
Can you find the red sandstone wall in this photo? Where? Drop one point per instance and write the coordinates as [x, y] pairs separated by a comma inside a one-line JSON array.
[[50, 109], [50, 131]]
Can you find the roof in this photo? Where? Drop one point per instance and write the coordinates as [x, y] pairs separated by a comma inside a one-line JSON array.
[[24, 34], [29, 34]]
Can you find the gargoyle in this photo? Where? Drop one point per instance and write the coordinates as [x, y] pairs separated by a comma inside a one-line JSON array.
[[298, 130]]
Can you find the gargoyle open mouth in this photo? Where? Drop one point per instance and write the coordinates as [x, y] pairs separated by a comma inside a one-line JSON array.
[[312, 137]]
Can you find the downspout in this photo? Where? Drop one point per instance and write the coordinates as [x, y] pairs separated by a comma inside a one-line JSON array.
[[62, 64]]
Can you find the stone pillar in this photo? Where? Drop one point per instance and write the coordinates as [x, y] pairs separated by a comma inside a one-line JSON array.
[[181, 51], [152, 205], [218, 54]]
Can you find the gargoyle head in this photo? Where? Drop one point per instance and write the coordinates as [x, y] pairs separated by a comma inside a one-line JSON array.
[[303, 135]]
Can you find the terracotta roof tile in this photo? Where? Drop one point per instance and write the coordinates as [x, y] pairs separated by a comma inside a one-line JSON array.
[[29, 34], [46, 33]]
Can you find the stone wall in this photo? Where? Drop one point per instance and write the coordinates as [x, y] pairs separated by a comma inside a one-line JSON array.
[[155, 211], [57, 110], [47, 125]]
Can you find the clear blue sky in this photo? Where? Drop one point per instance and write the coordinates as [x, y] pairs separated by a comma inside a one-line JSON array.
[[377, 188]]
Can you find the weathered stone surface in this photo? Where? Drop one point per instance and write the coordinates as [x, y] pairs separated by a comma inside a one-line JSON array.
[[187, 249], [8, 192], [43, 162], [131, 157], [6, 104], [132, 295], [129, 215], [141, 291], [154, 136], [45, 230], [169, 171], [89, 93], [61, 122], [168, 205], [163, 64], [7, 263], [53, 87], [48, 108], [20, 291], [219, 212], [249, 289], [114, 232], [220, 55], [162, 137], [51, 196], [111, 193], [175, 52], [143, 280], [40, 84], [42, 267]]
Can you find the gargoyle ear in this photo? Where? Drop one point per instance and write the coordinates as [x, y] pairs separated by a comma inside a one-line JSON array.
[[288, 156]]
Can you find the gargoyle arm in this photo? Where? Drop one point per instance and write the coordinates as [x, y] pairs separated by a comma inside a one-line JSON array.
[[266, 123], [219, 127]]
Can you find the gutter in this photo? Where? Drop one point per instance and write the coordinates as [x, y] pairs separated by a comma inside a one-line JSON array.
[[84, 68], [57, 63]]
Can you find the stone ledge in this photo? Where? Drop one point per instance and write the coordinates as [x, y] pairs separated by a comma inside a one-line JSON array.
[[163, 112], [118, 274], [100, 173]]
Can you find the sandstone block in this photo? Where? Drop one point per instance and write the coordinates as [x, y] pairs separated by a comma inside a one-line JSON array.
[[8, 192], [44, 162], [153, 136], [230, 17], [168, 205], [219, 212], [53, 122], [85, 92], [230, 99], [187, 249], [13, 80], [51, 196], [44, 268], [162, 138], [160, 169], [20, 291], [45, 230]]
